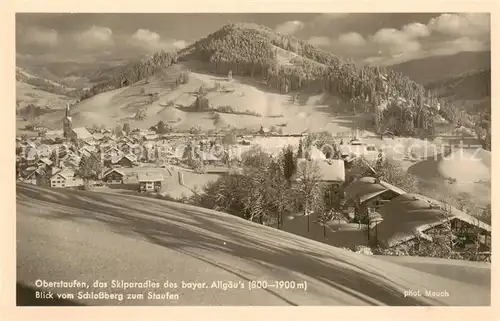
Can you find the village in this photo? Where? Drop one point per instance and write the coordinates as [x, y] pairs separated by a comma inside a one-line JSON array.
[[135, 160], [179, 165]]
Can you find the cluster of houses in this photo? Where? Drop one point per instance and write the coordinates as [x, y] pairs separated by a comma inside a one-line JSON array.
[[53, 159], [394, 218], [391, 218]]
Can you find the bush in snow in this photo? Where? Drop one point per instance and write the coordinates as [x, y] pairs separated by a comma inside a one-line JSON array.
[[363, 250]]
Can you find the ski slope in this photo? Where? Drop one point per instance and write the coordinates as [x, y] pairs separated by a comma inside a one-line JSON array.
[[88, 236]]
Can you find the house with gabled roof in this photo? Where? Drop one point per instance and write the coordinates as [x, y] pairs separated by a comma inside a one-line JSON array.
[[65, 178], [84, 152], [129, 148], [44, 150], [80, 133], [123, 140], [30, 144], [71, 159], [371, 192], [44, 163], [114, 176], [31, 156], [35, 177], [111, 152], [150, 181], [410, 217], [107, 139], [127, 160], [365, 195]]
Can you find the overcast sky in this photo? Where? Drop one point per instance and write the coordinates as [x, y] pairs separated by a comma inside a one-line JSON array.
[[374, 38]]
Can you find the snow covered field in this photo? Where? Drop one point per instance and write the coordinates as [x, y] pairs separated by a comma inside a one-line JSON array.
[[88, 236]]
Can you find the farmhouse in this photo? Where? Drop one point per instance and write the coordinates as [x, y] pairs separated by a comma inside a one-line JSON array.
[[150, 181], [124, 161], [65, 178], [114, 176], [371, 192], [36, 177], [411, 216]]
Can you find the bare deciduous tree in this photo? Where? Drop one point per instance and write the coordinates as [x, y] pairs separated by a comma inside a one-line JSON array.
[[308, 189]]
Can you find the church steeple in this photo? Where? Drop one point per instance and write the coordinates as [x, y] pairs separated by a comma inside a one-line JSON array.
[[67, 122]]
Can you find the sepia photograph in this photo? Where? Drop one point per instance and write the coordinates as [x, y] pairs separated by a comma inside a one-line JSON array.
[[253, 159]]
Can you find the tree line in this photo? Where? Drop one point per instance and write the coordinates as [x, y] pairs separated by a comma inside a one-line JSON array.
[[134, 73]]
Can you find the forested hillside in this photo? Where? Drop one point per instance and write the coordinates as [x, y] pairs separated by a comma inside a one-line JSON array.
[[36, 95], [433, 69], [467, 100], [45, 84], [396, 102]]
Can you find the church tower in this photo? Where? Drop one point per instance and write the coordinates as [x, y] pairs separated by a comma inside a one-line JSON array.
[[67, 123]]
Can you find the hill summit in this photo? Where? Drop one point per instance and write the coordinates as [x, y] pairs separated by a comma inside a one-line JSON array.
[[291, 67]]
